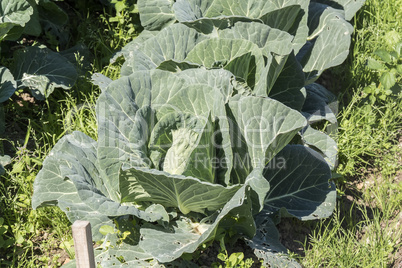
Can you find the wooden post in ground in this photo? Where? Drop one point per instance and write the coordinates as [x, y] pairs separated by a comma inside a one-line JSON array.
[[84, 251]]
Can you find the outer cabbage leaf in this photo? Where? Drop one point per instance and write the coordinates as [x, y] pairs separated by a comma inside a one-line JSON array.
[[7, 84], [101, 81], [267, 246], [70, 179], [300, 187], [349, 6], [4, 161], [234, 51], [156, 14], [112, 252], [265, 37], [327, 25], [304, 192], [174, 42], [320, 104], [241, 57], [42, 70], [13, 14], [52, 185], [321, 142], [289, 16], [329, 40], [62, 162], [125, 51], [33, 27], [167, 244], [53, 20]]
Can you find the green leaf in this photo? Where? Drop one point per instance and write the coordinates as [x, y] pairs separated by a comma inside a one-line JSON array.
[[42, 70], [123, 134], [300, 184], [106, 229], [54, 20], [156, 14], [272, 13], [33, 27], [320, 104], [384, 55], [4, 160], [184, 143], [328, 42], [263, 134], [399, 68], [101, 81], [370, 89], [268, 39], [398, 49], [375, 65], [184, 236], [388, 80], [241, 57], [172, 43], [205, 16], [235, 258], [7, 84], [322, 142], [267, 246], [70, 178], [186, 193], [289, 86], [350, 7], [13, 13], [69, 158]]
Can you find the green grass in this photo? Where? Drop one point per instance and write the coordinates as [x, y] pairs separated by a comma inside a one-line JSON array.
[[364, 230], [368, 136], [368, 243], [374, 24]]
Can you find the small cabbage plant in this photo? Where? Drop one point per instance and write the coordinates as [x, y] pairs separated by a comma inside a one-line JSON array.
[[37, 68], [208, 130]]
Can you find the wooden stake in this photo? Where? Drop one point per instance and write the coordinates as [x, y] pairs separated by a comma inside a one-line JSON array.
[[84, 251]]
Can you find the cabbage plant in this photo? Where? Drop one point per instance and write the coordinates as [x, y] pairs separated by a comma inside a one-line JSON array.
[[37, 68], [179, 154], [209, 130]]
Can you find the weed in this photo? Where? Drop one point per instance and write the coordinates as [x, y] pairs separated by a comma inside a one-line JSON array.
[[388, 67]]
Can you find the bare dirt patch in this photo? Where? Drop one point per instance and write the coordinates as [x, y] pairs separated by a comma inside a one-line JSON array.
[[54, 257]]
